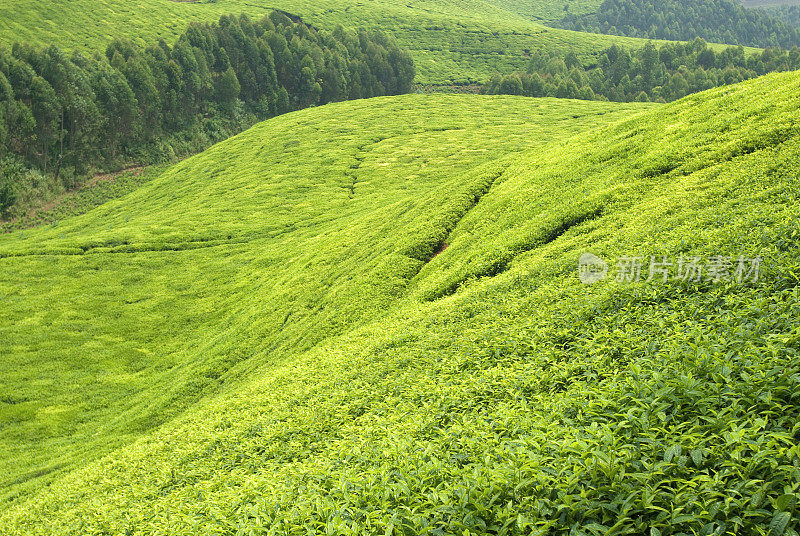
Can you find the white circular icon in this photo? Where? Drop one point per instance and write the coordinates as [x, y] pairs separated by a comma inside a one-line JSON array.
[[591, 268]]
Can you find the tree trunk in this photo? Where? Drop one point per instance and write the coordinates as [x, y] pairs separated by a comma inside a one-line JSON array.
[[58, 167]]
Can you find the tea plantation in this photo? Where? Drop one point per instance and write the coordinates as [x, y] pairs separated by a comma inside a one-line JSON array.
[[293, 223], [366, 318], [451, 41]]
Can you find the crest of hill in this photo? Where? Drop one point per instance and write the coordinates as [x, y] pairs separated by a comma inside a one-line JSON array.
[[496, 394], [451, 41]]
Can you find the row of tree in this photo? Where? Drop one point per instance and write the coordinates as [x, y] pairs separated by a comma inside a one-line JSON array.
[[720, 21], [67, 113], [647, 74]]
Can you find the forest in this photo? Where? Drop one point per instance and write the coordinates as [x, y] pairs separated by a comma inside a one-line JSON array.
[[720, 21], [648, 74], [789, 14], [59, 112]]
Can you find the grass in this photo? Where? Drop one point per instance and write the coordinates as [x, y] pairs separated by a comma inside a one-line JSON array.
[[302, 242], [451, 41], [381, 337]]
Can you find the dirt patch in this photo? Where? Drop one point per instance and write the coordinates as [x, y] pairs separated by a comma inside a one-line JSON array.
[[440, 249]]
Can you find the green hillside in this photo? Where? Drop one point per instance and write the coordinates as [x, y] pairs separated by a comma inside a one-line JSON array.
[[548, 11], [292, 224], [450, 40], [721, 21], [383, 338]]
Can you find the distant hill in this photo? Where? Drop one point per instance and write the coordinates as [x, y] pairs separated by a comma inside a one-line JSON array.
[[659, 74], [548, 10], [451, 41], [787, 13], [720, 21], [763, 3]]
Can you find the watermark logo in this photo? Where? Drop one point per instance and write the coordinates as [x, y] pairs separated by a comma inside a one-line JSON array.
[[663, 268], [591, 268]]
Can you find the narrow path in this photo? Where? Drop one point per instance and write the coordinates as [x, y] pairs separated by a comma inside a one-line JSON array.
[[359, 157]]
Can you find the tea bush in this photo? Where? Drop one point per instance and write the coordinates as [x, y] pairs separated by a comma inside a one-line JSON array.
[[302, 213], [333, 363]]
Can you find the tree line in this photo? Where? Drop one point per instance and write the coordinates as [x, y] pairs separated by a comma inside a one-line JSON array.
[[646, 74], [720, 21], [62, 115]]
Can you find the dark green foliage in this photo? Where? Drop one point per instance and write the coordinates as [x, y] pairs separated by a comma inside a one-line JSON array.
[[7, 194], [84, 199], [788, 14], [228, 89], [4, 109], [647, 74], [59, 111], [721, 21]]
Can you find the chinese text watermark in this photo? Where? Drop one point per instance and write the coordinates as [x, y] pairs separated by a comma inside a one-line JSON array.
[[663, 268]]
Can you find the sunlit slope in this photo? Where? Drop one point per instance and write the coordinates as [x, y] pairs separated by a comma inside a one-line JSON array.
[[549, 10], [450, 40], [114, 321], [503, 396]]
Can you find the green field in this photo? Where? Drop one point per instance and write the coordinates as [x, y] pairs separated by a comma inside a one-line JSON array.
[[301, 230], [451, 40], [365, 318]]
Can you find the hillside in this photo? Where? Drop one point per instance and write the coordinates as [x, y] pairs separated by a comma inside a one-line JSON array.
[[659, 74], [538, 10], [396, 339], [293, 224], [69, 115], [457, 41], [789, 13], [769, 3], [721, 21]]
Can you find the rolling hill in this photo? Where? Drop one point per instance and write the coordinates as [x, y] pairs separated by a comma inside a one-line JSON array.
[[307, 330], [722, 21], [452, 41], [307, 228]]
